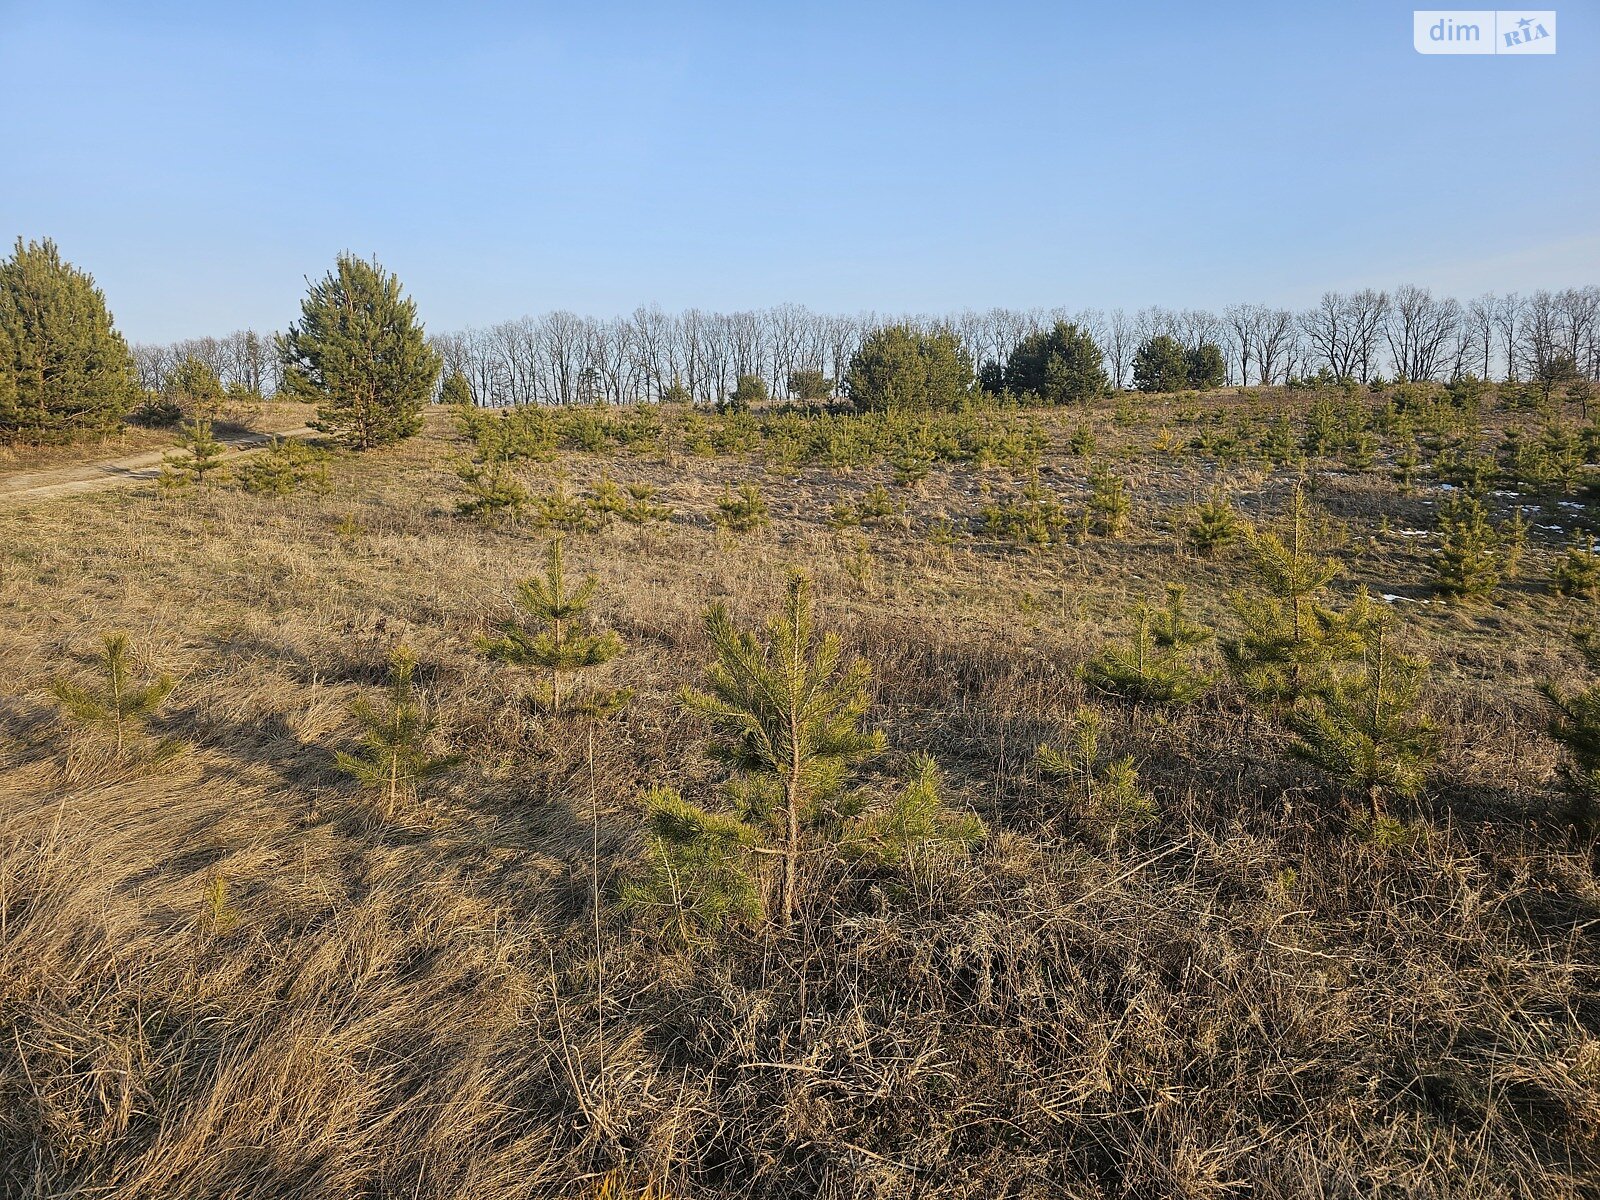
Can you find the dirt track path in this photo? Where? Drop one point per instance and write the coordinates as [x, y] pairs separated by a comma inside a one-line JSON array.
[[115, 472]]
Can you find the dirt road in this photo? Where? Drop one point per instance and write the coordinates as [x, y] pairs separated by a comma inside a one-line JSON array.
[[117, 472]]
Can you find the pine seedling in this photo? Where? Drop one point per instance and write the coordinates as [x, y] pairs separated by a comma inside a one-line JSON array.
[[745, 512], [1213, 524], [1366, 729], [1575, 723], [284, 467], [1577, 571], [198, 456], [560, 644], [607, 501], [1286, 564], [391, 758], [641, 507], [1108, 502], [1406, 463], [1471, 556], [1289, 639], [698, 870], [494, 494], [788, 716], [219, 914], [560, 509], [916, 829], [942, 536], [1101, 788], [1034, 518], [119, 704], [1155, 666]]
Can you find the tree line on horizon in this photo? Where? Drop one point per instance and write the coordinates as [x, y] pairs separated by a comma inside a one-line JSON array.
[[65, 370], [651, 354]]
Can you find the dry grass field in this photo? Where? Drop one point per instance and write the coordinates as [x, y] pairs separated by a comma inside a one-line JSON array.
[[228, 976]]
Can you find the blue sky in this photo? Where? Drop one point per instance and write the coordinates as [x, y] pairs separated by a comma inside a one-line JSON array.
[[201, 160]]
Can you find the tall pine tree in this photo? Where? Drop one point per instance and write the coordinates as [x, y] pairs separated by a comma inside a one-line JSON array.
[[67, 371], [358, 352]]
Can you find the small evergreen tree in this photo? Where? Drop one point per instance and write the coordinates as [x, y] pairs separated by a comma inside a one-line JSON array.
[[493, 492], [1471, 555], [1577, 571], [1108, 502], [787, 715], [67, 372], [456, 391], [198, 456], [119, 705], [916, 830], [1575, 724], [1204, 367], [1366, 728], [194, 389], [810, 384], [1157, 664], [561, 644], [1103, 790], [899, 368], [392, 756], [1060, 365], [698, 868], [1213, 523], [1033, 518], [749, 392], [1290, 640], [358, 352], [744, 512], [287, 465]]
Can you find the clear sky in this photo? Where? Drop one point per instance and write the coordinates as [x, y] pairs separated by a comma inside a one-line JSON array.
[[201, 160]]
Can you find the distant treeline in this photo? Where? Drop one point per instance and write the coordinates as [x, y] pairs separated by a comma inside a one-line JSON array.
[[563, 358]]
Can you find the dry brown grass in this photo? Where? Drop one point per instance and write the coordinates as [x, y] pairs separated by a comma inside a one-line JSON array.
[[1244, 998]]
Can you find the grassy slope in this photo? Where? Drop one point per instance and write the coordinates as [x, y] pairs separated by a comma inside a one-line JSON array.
[[1240, 996]]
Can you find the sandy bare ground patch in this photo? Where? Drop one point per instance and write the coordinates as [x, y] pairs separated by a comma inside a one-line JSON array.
[[116, 472]]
